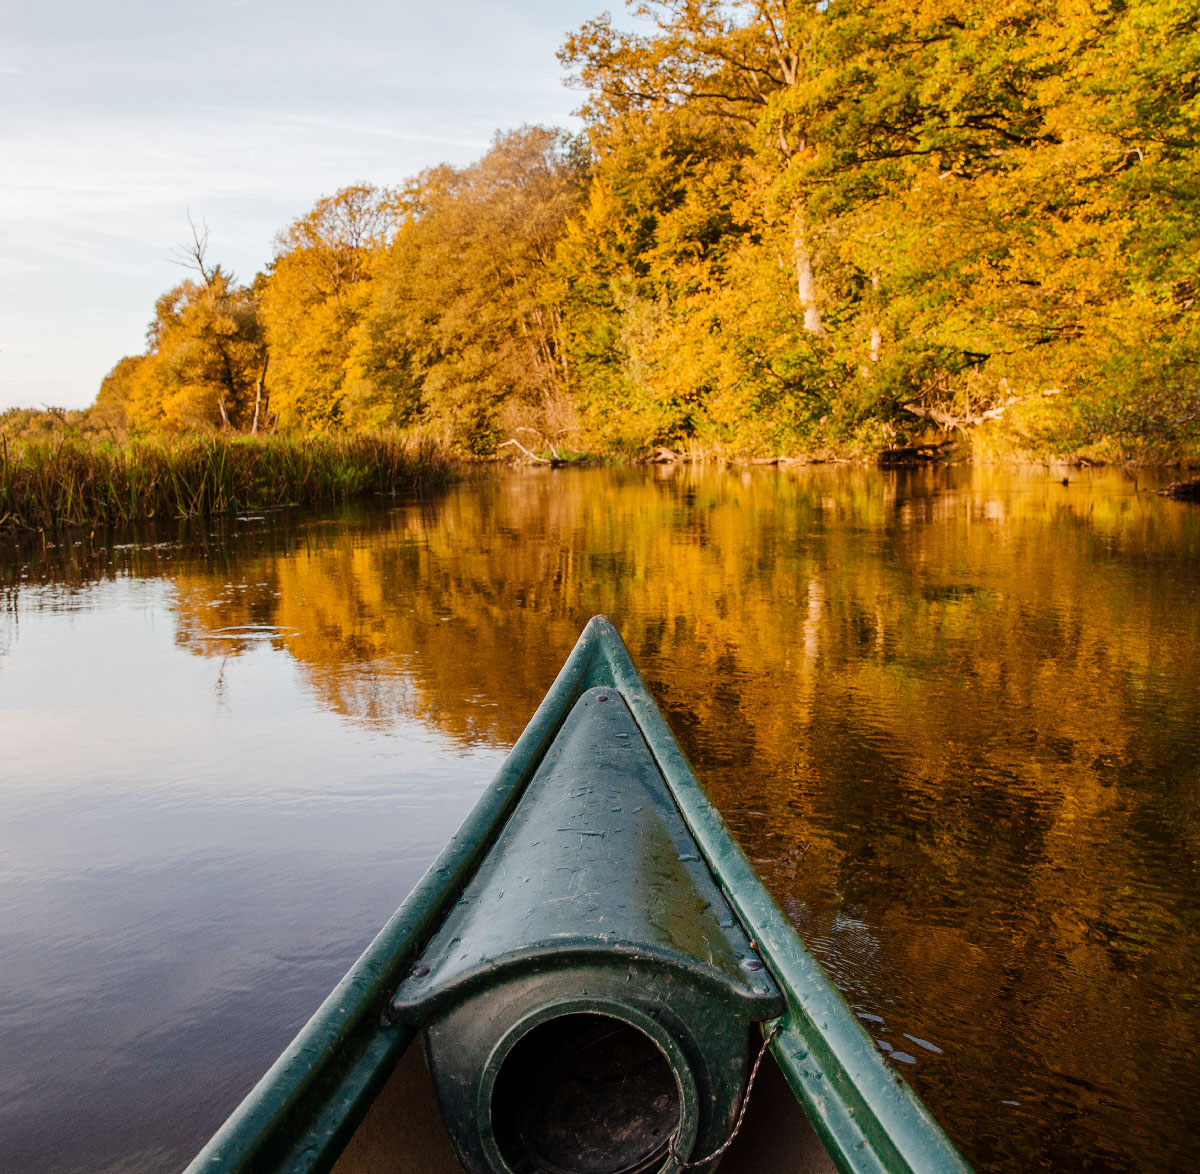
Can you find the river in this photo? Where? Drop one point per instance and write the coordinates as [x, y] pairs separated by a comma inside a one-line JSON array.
[[952, 715]]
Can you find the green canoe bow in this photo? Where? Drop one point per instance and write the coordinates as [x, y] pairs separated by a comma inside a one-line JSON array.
[[304, 1110]]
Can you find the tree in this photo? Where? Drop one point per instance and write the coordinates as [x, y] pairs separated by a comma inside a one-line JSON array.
[[460, 328], [111, 409], [738, 59], [317, 293], [206, 361], [1015, 182]]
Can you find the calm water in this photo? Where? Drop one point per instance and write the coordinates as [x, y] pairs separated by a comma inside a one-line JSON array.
[[952, 715]]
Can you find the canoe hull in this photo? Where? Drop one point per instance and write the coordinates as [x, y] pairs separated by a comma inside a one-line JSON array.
[[403, 1132], [308, 1108]]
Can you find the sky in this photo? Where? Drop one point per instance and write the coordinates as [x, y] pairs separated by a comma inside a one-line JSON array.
[[118, 121]]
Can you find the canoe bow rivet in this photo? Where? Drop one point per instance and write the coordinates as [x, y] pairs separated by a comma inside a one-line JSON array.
[[751, 964], [602, 697], [420, 971]]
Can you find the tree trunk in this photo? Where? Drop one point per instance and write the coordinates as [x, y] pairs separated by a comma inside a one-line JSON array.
[[258, 391], [806, 282], [876, 334]]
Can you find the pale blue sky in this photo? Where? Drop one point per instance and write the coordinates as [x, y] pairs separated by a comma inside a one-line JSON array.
[[117, 119]]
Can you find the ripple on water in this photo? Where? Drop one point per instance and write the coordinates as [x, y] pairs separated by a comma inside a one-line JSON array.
[[952, 715]]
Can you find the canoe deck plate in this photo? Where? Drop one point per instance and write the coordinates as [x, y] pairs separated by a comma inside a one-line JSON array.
[[595, 861]]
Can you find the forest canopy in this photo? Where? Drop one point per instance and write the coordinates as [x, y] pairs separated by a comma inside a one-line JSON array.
[[787, 226]]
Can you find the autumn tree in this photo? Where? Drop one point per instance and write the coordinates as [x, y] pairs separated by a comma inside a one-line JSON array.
[[206, 359], [1011, 174], [318, 290], [796, 223], [111, 409], [461, 331], [742, 61], [980, 196]]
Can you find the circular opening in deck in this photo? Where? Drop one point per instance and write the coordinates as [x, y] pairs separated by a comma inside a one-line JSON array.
[[585, 1093]]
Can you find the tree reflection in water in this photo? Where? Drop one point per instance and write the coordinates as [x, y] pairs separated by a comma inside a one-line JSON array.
[[952, 715]]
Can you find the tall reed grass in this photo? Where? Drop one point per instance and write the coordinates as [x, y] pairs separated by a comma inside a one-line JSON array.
[[67, 482]]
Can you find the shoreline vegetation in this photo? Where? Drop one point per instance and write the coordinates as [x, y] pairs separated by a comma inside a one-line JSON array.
[[74, 481], [70, 482], [788, 230]]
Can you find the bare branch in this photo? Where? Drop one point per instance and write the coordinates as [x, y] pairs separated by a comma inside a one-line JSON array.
[[530, 455], [195, 255], [945, 420]]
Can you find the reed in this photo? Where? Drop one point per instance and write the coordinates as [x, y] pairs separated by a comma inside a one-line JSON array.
[[68, 482]]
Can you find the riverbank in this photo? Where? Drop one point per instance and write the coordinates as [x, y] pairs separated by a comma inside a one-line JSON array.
[[70, 482], [62, 478], [930, 448]]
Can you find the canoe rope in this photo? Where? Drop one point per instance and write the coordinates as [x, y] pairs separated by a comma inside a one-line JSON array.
[[737, 1125]]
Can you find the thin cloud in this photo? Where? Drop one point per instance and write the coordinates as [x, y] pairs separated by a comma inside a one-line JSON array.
[[118, 121]]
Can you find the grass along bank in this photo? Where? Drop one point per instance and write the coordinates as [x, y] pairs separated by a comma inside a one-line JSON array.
[[44, 484]]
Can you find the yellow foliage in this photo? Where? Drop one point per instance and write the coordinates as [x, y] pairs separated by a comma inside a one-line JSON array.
[[793, 227]]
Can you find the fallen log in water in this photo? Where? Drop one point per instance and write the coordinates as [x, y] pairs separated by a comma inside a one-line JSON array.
[[1183, 490], [916, 454]]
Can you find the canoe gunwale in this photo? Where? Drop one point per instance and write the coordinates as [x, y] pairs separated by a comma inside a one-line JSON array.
[[324, 1051], [866, 1116]]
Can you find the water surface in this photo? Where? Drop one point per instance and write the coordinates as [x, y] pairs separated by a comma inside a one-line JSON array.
[[952, 715]]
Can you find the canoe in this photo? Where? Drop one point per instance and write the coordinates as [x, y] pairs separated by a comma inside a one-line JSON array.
[[598, 982]]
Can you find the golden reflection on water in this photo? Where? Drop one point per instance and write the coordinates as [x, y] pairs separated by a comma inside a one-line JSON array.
[[951, 715]]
